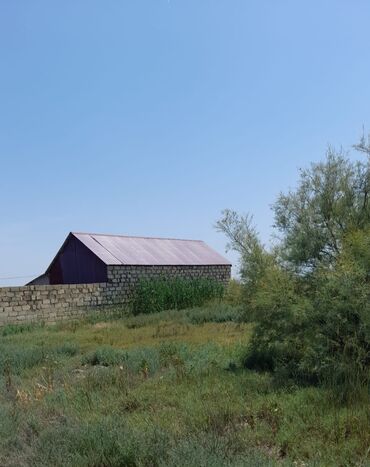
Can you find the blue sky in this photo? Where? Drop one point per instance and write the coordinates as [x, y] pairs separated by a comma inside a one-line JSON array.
[[148, 117]]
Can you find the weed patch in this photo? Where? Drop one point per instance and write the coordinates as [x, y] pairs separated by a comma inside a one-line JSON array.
[[154, 295], [115, 394]]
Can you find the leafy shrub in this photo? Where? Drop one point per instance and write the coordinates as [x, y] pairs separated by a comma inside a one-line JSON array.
[[154, 295], [340, 349], [319, 333], [280, 335]]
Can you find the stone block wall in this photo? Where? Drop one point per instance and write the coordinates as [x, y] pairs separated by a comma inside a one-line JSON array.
[[51, 303], [48, 303], [123, 279]]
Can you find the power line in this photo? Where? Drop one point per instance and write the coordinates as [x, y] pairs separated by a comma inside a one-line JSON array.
[[16, 277]]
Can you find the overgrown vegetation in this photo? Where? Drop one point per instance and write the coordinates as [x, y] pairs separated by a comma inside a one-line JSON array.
[[166, 293], [310, 295], [162, 390], [174, 383]]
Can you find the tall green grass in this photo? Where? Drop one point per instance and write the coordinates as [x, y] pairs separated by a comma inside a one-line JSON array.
[[214, 313], [154, 295]]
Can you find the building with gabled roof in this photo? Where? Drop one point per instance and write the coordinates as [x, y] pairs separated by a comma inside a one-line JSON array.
[[92, 258]]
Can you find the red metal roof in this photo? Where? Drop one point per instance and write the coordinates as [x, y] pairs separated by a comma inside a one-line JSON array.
[[119, 249]]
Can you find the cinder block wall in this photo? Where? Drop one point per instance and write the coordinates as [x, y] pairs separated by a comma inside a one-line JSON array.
[[51, 303]]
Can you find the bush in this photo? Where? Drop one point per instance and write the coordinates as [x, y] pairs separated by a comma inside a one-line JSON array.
[[282, 333], [154, 295], [340, 350], [320, 332]]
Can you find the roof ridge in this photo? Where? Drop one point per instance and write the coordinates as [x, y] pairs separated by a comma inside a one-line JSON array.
[[137, 236]]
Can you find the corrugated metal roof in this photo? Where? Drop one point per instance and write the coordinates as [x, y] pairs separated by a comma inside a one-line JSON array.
[[119, 249]]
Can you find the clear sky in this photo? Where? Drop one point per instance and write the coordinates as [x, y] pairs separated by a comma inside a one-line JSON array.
[[148, 117]]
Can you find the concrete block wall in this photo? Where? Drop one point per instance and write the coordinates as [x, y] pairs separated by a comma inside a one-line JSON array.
[[51, 303]]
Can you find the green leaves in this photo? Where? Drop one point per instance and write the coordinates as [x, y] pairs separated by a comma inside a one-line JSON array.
[[332, 198], [310, 296]]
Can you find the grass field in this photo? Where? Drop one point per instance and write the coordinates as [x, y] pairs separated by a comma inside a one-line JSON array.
[[167, 389]]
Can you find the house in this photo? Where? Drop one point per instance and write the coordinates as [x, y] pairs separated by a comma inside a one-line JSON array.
[[86, 258]]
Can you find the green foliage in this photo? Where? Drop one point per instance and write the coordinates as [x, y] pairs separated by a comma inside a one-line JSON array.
[[340, 351], [234, 292], [317, 332], [310, 295], [154, 295], [332, 199], [243, 238], [281, 335]]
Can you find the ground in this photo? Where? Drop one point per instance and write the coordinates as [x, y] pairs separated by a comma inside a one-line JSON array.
[[167, 389]]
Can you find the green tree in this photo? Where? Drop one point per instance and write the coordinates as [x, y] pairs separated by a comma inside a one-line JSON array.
[[243, 238], [310, 295], [332, 198]]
